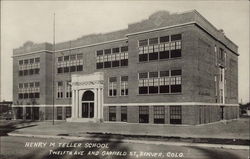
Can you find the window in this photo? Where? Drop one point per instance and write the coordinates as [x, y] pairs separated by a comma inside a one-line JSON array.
[[143, 42], [36, 71], [175, 45], [59, 89], [99, 52], [116, 50], [66, 69], [175, 115], [37, 84], [112, 86], [99, 59], [72, 68], [69, 63], [153, 41], [68, 90], [37, 95], [221, 54], [79, 56], [143, 114], [29, 66], [159, 114], [164, 47], [60, 67], [21, 73], [143, 83], [31, 95], [107, 58], [150, 83], [26, 61], [68, 112], [28, 113], [215, 55], [124, 113], [26, 95], [164, 82], [37, 60], [79, 64], [107, 51], [26, 85], [175, 37], [31, 85], [25, 72], [151, 49], [143, 54], [31, 61], [124, 58], [31, 72], [79, 68], [124, 48], [59, 59], [164, 51], [20, 62], [20, 85], [175, 81], [59, 113], [124, 85], [168, 47], [216, 87], [153, 82], [20, 95], [72, 57], [66, 58], [115, 58], [153, 52], [164, 39], [112, 113]]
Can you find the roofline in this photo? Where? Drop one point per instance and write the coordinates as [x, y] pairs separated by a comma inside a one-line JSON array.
[[152, 30], [139, 104], [34, 52], [90, 45], [180, 25], [195, 11], [171, 103], [162, 28], [217, 39]]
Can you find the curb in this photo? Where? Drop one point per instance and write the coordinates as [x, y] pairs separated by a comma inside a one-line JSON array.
[[236, 147]]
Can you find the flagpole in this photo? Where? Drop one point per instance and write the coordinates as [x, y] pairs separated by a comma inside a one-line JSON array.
[[53, 72]]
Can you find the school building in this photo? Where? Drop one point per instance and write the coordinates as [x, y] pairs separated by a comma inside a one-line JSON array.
[[167, 69]]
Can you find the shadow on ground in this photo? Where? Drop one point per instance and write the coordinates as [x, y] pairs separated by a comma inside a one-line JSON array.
[[114, 145], [9, 126], [215, 153]]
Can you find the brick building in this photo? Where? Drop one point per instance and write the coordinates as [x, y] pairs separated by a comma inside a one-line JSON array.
[[168, 69]]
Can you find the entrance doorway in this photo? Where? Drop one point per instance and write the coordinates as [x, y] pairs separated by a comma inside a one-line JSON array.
[[88, 104]]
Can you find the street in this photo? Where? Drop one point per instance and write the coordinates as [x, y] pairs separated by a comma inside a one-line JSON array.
[[42, 148]]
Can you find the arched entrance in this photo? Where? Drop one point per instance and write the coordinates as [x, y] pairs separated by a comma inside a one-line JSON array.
[[88, 104]]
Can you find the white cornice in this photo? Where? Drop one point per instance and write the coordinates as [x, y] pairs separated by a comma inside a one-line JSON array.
[[79, 47], [162, 28], [43, 105], [35, 52], [176, 103], [84, 46], [137, 104]]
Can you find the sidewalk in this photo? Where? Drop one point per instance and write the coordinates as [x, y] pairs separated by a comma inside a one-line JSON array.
[[234, 132]]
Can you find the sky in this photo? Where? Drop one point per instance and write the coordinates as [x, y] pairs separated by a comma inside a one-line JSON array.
[[23, 21]]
